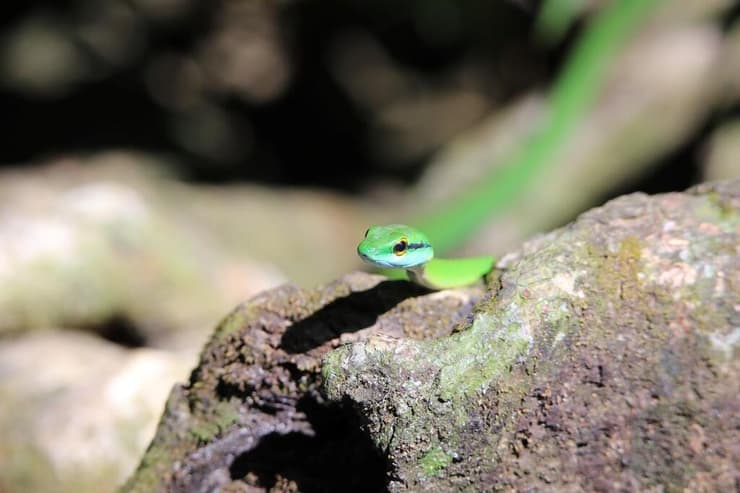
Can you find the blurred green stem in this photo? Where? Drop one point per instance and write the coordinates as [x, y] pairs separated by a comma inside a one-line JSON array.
[[570, 98]]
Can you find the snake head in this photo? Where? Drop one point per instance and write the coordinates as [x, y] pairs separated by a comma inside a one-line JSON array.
[[395, 246]]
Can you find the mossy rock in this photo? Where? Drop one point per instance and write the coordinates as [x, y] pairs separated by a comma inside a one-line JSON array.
[[604, 357]]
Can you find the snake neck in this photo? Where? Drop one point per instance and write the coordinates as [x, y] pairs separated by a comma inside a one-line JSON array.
[[417, 275]]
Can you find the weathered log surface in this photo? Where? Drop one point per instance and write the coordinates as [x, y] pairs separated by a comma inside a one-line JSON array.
[[604, 357]]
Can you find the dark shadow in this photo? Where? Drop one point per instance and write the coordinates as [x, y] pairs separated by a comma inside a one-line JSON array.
[[349, 314], [119, 330], [730, 16], [338, 458]]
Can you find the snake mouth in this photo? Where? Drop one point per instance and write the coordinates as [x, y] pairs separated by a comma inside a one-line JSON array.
[[369, 260]]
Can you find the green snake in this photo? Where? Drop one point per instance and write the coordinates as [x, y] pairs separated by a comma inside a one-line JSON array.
[[397, 246]]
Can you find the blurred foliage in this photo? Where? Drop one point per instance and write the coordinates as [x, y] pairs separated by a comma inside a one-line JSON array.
[[571, 95]]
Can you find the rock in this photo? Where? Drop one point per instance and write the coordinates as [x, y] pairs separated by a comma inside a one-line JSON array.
[[253, 414], [721, 161], [604, 357], [77, 411], [112, 246], [82, 239]]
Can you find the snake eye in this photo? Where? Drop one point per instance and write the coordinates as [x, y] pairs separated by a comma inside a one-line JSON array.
[[400, 247]]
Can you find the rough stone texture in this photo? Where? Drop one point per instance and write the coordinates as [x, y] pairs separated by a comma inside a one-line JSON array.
[[252, 414], [604, 358]]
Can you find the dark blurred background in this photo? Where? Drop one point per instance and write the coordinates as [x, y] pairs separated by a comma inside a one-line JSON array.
[[331, 93], [259, 90]]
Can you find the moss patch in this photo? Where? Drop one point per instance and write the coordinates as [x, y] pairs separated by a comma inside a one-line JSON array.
[[434, 461]]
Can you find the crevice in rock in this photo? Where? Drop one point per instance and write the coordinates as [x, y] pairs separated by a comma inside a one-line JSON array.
[[338, 457]]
